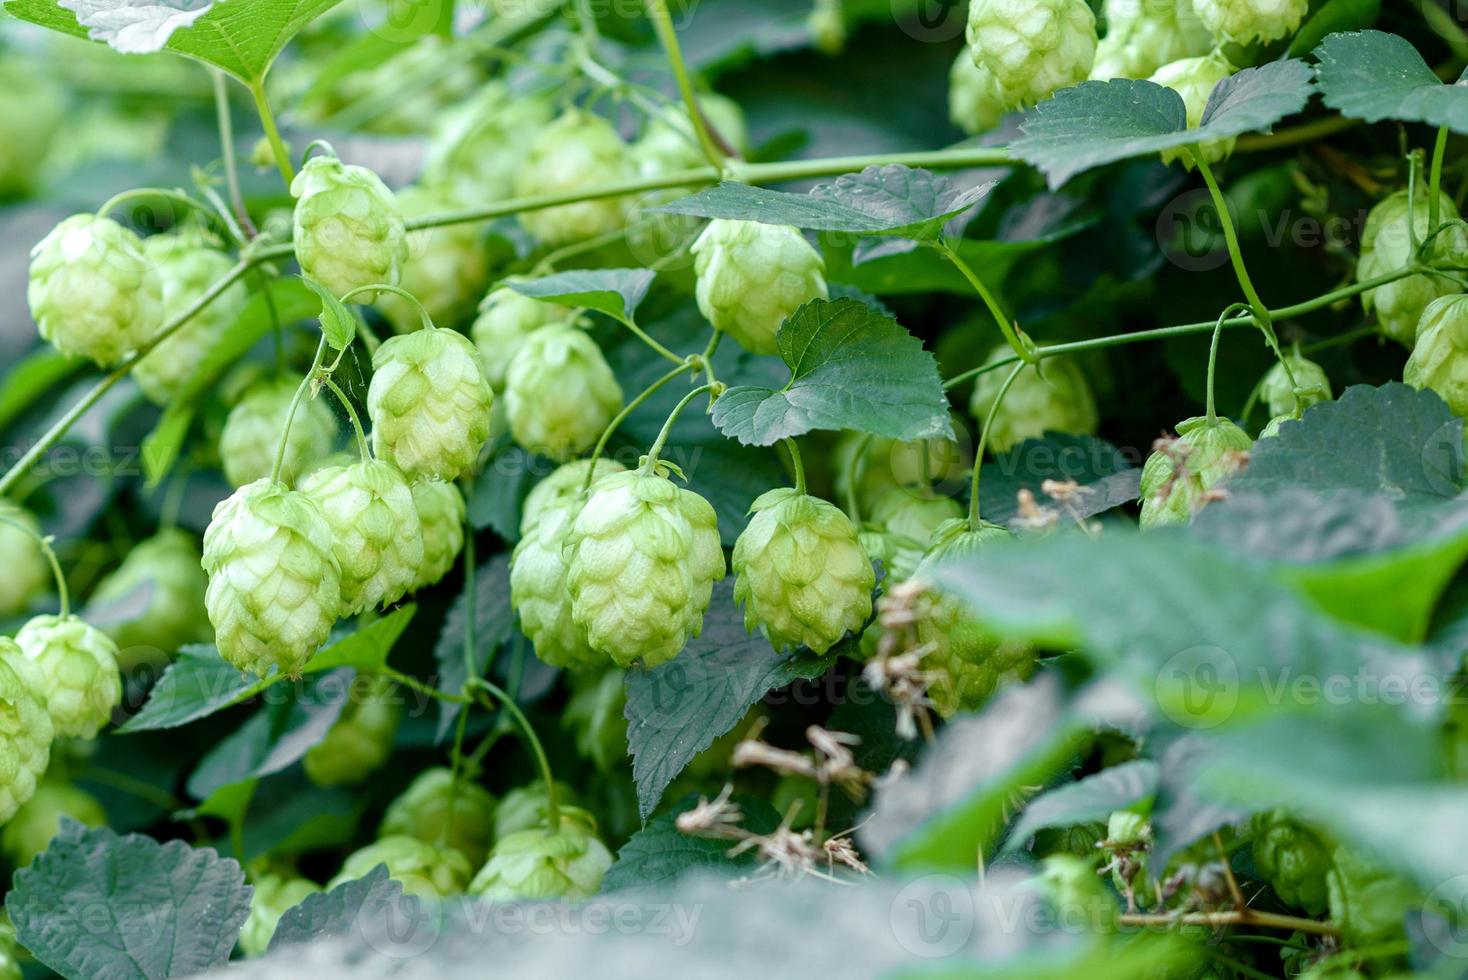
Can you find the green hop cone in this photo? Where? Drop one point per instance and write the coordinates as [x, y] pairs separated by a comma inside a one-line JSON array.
[[1367, 904], [274, 580], [596, 720], [168, 565], [827, 26], [1293, 859], [669, 145], [187, 267], [441, 509], [1143, 35], [30, 830], [538, 593], [445, 270], [426, 871], [1058, 400], [93, 292], [1387, 245], [576, 152], [563, 488], [376, 533], [527, 807], [967, 663], [32, 113], [803, 577], [430, 404], [79, 673], [26, 570], [538, 864], [1073, 889], [1272, 427], [1247, 21], [975, 104], [1032, 48], [866, 467], [1180, 477], [1279, 395], [478, 149], [1194, 79], [348, 228], [643, 556], [362, 738], [913, 514], [1440, 359], [26, 730], [560, 394], [274, 896], [436, 811], [251, 436], [505, 322], [752, 276]]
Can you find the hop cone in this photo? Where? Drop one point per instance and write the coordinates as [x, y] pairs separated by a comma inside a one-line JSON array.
[[539, 594], [1032, 48], [440, 509], [1178, 479], [30, 831], [1194, 79], [868, 466], [26, 568], [559, 393], [1294, 861], [577, 152], [436, 811], [348, 227], [974, 102], [445, 270], [596, 718], [430, 404], [527, 807], [187, 267], [274, 581], [35, 104], [1060, 399], [537, 864], [802, 575], [93, 293], [168, 565], [914, 515], [78, 668], [251, 434], [478, 150], [1143, 35], [967, 662], [376, 533], [1387, 246], [752, 276], [25, 728], [1279, 395], [275, 895], [669, 144], [506, 320], [563, 488], [1246, 21], [643, 557], [1366, 903], [427, 871], [1438, 361], [362, 737]]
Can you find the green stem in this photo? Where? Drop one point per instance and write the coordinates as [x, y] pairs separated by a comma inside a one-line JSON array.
[[1435, 181], [414, 684], [226, 151], [471, 602], [650, 464], [341, 396], [995, 310], [1213, 357], [176, 196], [382, 287], [616, 423], [642, 335], [853, 473], [290, 417], [50, 553], [662, 22], [553, 809], [272, 132], [797, 463], [973, 502]]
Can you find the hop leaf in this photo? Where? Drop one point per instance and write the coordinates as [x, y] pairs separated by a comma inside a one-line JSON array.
[[1438, 360], [1247, 21], [26, 569], [436, 811], [274, 580], [540, 864], [1392, 227], [576, 152], [559, 393], [78, 669], [430, 404], [441, 511], [1058, 400], [30, 831], [93, 293], [187, 267], [376, 531], [252, 432], [1032, 48], [169, 564], [348, 227], [803, 577], [506, 320], [1180, 477], [362, 737], [425, 870], [25, 728], [752, 276], [1194, 79]]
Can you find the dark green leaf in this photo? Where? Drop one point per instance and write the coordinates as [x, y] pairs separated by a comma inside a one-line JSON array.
[[659, 854], [615, 292], [1334, 15], [1106, 478], [499, 490], [1373, 76], [31, 379], [1086, 800], [340, 911], [494, 621]]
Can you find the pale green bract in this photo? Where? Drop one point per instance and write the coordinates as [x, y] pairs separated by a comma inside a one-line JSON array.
[[539, 864], [441, 508], [348, 227], [1394, 229], [752, 276], [1184, 474], [506, 320], [169, 565], [975, 104], [563, 487], [1032, 48], [436, 811], [643, 556], [803, 577], [187, 267], [914, 514], [538, 593], [377, 535], [92, 292], [1143, 35], [30, 831], [362, 738], [560, 394], [527, 807], [1278, 394], [1194, 79], [1440, 359], [26, 570], [1246, 21], [445, 270], [274, 580], [77, 664], [577, 152], [251, 436], [274, 896], [426, 871], [1368, 904], [430, 404], [1053, 397], [26, 730]]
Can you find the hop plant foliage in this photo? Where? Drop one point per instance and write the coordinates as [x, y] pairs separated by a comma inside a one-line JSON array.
[[752, 276], [349, 228], [559, 392], [430, 404], [1032, 48], [377, 536], [1054, 397], [26, 729], [252, 433], [541, 864], [576, 151], [1195, 79], [1181, 476]]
